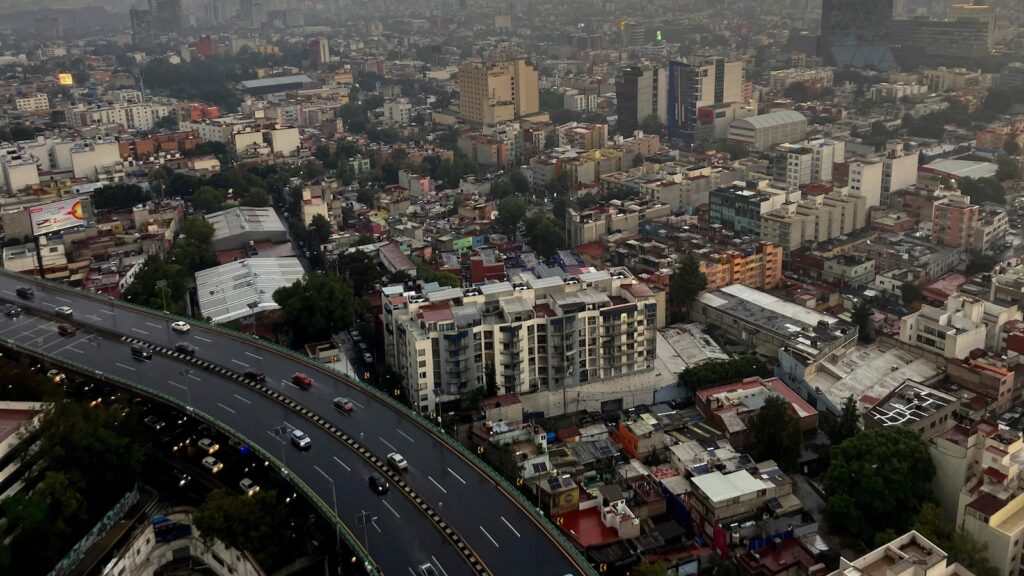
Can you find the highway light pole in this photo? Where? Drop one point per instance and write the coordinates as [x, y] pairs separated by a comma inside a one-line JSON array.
[[334, 497], [365, 519], [162, 285], [252, 314]]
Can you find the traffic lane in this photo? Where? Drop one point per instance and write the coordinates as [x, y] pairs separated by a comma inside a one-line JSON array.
[[279, 369], [254, 417]]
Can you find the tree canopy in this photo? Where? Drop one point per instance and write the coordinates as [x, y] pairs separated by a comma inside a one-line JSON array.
[[686, 284], [119, 196], [846, 425], [317, 306], [252, 524], [982, 190], [208, 199], [878, 480], [866, 331], [544, 234], [775, 434], [711, 374], [511, 212], [959, 544]]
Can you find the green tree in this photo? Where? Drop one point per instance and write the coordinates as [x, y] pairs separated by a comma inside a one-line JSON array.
[[119, 196], [194, 249], [685, 286], [167, 123], [982, 190], [246, 523], [428, 274], [797, 91], [544, 234], [711, 374], [317, 306], [867, 333], [208, 199], [319, 230], [876, 480], [256, 197], [511, 212], [360, 269], [519, 181], [367, 197], [960, 545], [846, 425], [775, 434], [910, 294], [501, 189], [648, 569], [1012, 147], [980, 263], [144, 290], [1007, 168], [652, 124]]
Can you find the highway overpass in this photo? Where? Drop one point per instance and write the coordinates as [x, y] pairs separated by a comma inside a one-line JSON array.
[[450, 509]]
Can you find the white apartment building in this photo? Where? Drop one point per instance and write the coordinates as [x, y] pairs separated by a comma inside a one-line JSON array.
[[814, 219], [806, 162], [18, 172], [142, 116], [899, 170], [525, 335], [866, 181], [219, 129], [89, 158], [398, 111], [32, 102], [964, 324]]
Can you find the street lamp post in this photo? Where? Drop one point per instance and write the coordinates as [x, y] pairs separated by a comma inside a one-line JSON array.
[[252, 314], [162, 285]]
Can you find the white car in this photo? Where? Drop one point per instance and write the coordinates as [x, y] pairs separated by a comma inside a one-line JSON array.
[[248, 486], [180, 326], [64, 311], [208, 446], [397, 461], [300, 440], [213, 464]]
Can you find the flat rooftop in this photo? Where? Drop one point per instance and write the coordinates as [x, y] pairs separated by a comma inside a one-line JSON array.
[[226, 291], [870, 373]]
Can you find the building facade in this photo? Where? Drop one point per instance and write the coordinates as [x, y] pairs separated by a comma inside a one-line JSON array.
[[692, 86]]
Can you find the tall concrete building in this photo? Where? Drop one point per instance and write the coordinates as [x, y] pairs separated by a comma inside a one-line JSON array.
[[168, 16], [928, 43], [497, 92], [632, 33], [691, 86], [142, 26], [856, 33], [319, 52], [641, 91], [979, 12]]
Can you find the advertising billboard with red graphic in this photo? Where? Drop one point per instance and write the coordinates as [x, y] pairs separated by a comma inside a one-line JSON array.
[[57, 216]]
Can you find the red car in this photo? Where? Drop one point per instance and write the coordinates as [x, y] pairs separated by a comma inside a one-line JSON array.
[[67, 330], [301, 380]]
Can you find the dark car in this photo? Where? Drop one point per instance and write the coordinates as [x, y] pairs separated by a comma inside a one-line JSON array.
[[13, 312], [185, 348], [25, 292], [378, 484], [141, 352], [257, 377], [66, 330]]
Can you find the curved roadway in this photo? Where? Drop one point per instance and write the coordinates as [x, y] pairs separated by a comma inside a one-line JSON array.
[[505, 537]]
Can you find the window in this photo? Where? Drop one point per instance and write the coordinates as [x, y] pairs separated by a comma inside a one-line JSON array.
[[423, 364], [421, 352]]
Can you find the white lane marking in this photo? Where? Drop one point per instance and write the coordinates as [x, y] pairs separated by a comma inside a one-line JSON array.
[[356, 403], [342, 463], [390, 508], [63, 348], [411, 572], [390, 445], [63, 299], [254, 356], [228, 408], [204, 339], [178, 385], [123, 366], [106, 311], [8, 292], [406, 436], [153, 325], [139, 331], [456, 475], [93, 317], [439, 487], [374, 522], [441, 568], [74, 350], [489, 537], [239, 363], [320, 470], [194, 377], [514, 531], [242, 399]]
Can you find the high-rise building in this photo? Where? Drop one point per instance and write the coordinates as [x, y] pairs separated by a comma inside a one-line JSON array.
[[497, 92], [924, 43], [319, 52], [168, 16], [856, 33], [953, 221], [641, 91], [632, 33], [691, 86], [979, 12], [142, 26]]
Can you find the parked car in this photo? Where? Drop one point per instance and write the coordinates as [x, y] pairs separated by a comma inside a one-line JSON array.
[[343, 404], [301, 440], [248, 487], [13, 312], [212, 464], [207, 445], [66, 330]]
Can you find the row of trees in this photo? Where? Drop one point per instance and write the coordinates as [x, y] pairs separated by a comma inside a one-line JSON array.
[[711, 374], [164, 282]]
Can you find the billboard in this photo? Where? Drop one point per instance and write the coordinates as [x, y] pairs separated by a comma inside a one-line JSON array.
[[65, 79], [57, 216]]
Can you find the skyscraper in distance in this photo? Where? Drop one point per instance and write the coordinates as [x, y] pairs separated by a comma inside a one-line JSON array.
[[639, 92], [856, 33], [709, 81]]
